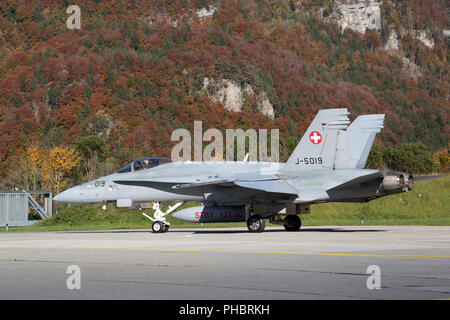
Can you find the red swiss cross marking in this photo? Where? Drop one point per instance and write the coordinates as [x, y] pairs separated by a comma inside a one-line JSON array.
[[315, 137]]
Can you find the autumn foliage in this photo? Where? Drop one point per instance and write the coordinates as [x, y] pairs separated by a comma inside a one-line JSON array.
[[135, 72], [56, 165]]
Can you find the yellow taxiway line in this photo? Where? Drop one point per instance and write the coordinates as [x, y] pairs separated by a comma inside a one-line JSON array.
[[403, 256]]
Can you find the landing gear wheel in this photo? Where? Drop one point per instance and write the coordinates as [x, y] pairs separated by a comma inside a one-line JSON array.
[[160, 224], [158, 227], [256, 224], [292, 223]]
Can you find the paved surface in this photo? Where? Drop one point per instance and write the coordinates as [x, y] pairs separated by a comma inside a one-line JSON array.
[[315, 263]]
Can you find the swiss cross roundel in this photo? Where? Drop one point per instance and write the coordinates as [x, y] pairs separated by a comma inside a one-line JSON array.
[[315, 137]]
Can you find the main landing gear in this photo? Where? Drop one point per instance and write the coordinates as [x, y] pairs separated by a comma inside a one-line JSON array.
[[292, 223], [160, 224], [256, 223]]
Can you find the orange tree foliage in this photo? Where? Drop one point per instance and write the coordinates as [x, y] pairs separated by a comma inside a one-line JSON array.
[[442, 159], [56, 165], [34, 158]]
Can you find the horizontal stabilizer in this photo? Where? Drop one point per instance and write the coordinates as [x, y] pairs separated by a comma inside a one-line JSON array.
[[359, 179]]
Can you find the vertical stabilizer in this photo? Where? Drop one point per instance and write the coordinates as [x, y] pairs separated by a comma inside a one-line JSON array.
[[361, 134], [317, 148]]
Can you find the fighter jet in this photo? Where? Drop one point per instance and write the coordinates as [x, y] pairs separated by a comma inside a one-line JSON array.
[[326, 166]]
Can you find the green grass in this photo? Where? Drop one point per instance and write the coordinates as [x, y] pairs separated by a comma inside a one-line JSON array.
[[428, 204], [93, 217]]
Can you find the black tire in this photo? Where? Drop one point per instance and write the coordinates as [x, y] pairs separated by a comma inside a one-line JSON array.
[[166, 228], [158, 227], [256, 224], [292, 223]]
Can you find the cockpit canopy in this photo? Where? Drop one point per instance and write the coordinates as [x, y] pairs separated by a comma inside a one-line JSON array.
[[144, 164]]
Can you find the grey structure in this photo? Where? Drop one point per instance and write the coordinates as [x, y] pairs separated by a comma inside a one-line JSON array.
[[14, 207]]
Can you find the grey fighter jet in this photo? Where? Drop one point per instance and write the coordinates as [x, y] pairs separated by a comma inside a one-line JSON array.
[[326, 166]]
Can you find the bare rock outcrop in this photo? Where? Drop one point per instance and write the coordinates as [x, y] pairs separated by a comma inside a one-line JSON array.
[[232, 95], [359, 16]]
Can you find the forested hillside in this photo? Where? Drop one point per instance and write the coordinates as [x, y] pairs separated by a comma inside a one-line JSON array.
[[136, 70]]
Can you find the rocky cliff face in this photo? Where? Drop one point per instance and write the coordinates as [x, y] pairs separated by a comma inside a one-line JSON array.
[[392, 44], [364, 15], [233, 96], [360, 16]]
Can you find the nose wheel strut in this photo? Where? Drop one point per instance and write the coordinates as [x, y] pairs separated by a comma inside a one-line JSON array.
[[160, 224]]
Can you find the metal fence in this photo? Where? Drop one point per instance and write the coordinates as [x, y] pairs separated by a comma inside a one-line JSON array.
[[15, 207]]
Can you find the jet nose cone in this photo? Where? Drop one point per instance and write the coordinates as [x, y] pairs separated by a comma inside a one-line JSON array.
[[65, 196]]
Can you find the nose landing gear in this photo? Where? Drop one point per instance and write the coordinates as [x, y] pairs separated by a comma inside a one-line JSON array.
[[160, 224], [159, 227]]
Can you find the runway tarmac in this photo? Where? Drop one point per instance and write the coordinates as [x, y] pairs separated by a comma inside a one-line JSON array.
[[314, 263]]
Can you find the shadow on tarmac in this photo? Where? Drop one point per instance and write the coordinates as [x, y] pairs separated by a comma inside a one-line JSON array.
[[232, 231]]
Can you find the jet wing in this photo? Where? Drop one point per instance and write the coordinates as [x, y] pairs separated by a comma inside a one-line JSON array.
[[268, 185], [275, 186]]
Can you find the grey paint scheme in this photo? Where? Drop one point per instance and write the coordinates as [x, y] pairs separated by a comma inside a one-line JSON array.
[[329, 170]]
